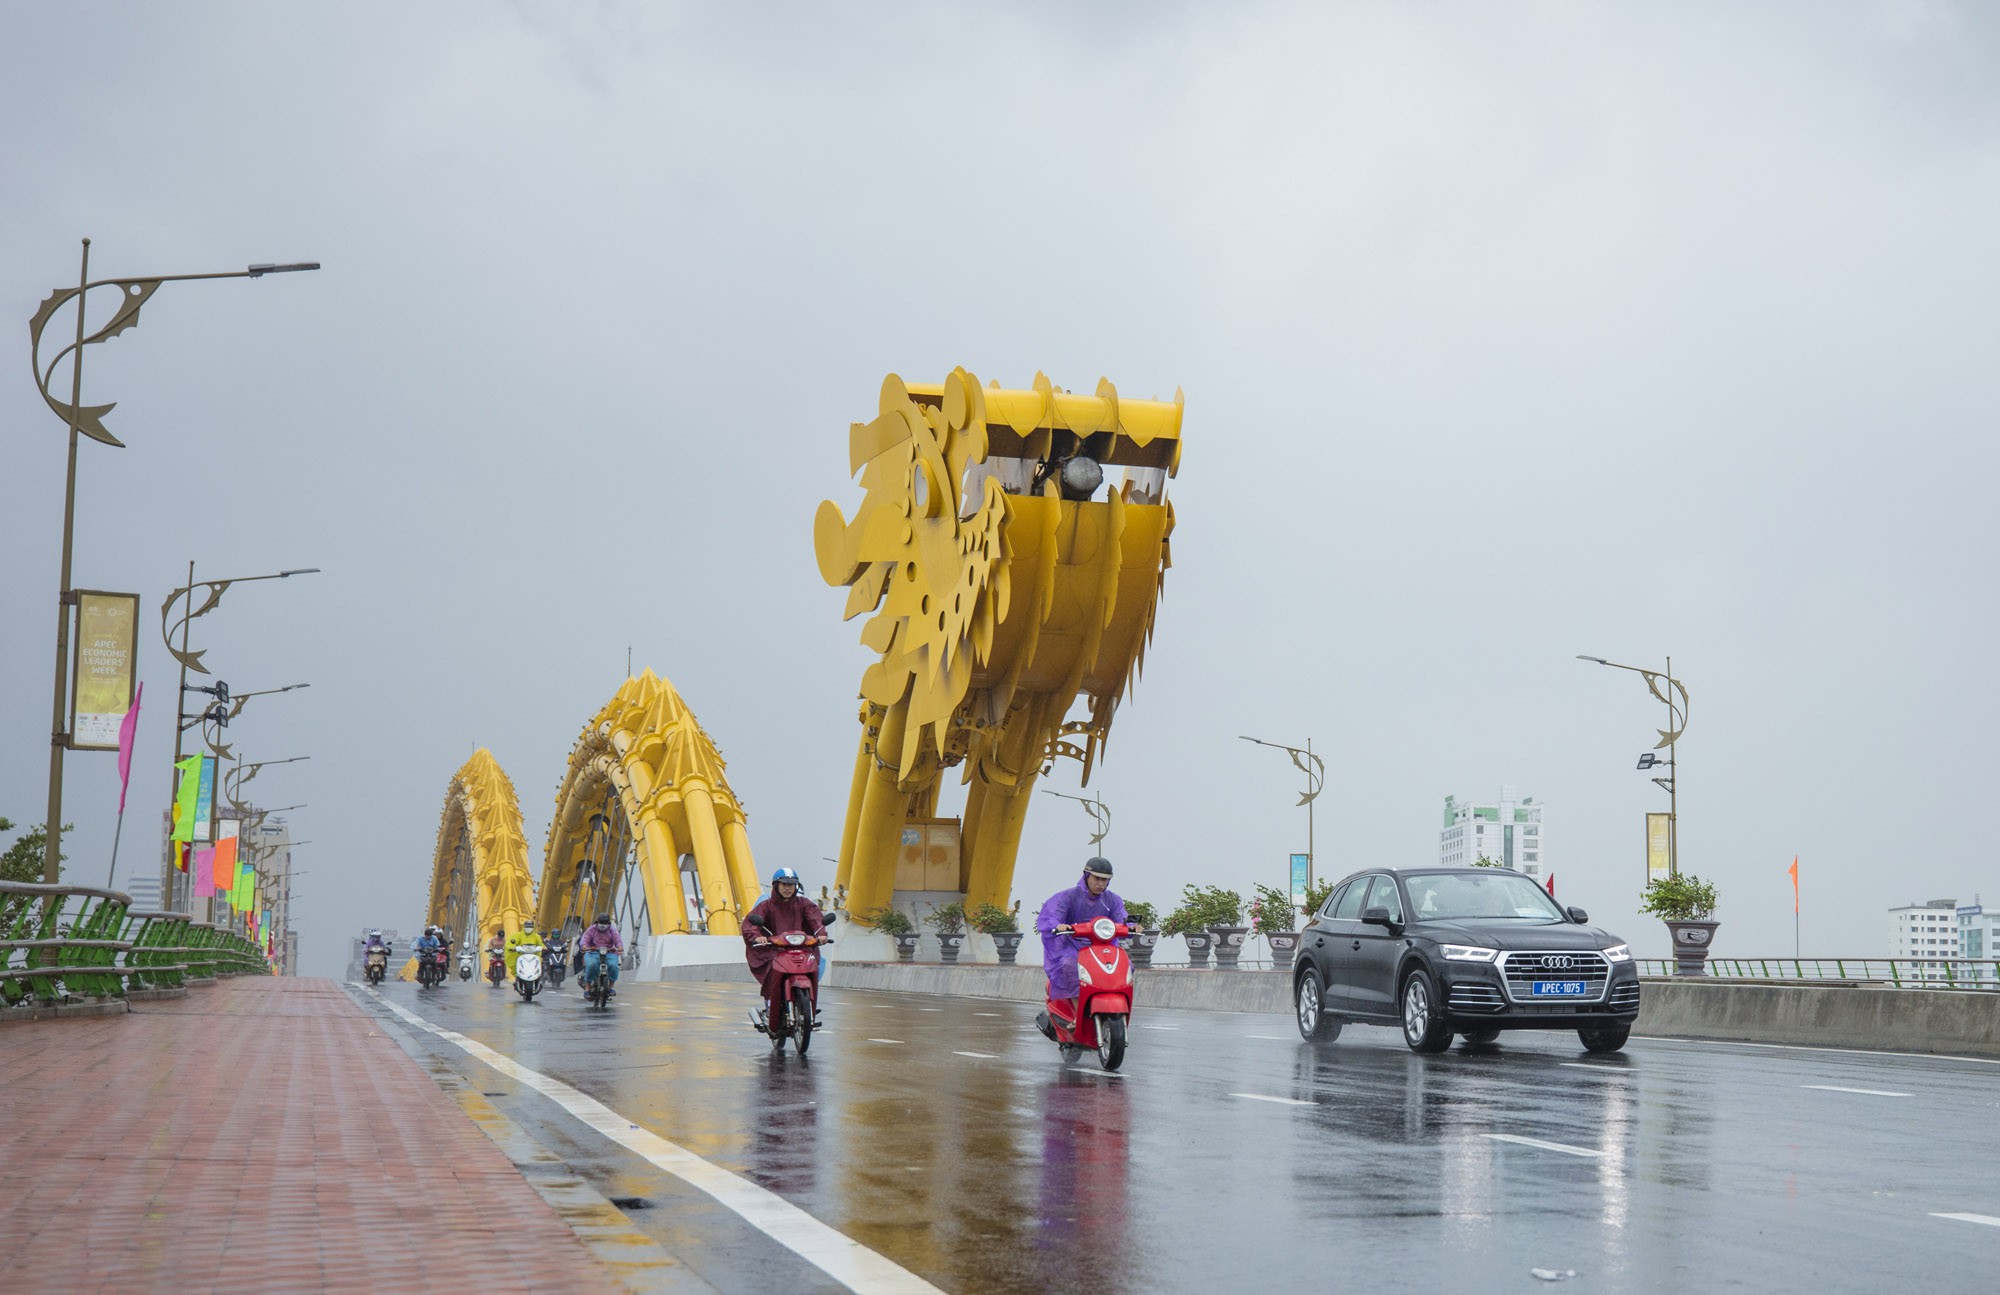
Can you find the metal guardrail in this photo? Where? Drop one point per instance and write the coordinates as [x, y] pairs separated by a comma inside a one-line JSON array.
[[59, 942], [1898, 973]]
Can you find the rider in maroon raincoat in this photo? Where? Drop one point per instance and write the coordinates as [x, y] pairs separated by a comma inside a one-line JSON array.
[[784, 910]]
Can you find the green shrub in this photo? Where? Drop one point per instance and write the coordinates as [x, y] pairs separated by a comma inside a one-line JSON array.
[[947, 919], [1316, 895], [1143, 915], [1203, 907], [990, 919], [889, 921], [1272, 911], [1685, 898]]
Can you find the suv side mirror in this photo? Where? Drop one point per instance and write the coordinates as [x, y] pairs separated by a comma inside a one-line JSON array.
[[1379, 917], [1578, 916]]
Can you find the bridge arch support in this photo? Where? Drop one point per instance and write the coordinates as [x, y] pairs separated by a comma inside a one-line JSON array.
[[479, 873], [646, 797]]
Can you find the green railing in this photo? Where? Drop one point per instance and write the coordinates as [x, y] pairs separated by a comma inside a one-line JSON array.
[[59, 942], [1898, 973]]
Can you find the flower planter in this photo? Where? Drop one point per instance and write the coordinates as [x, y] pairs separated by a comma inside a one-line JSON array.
[[1199, 943], [1140, 946], [1008, 945], [1228, 945], [949, 945], [1284, 945], [1691, 941], [906, 947]]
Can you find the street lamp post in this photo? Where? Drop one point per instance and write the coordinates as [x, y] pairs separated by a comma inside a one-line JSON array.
[[1099, 812], [89, 422], [1314, 769], [1665, 687]]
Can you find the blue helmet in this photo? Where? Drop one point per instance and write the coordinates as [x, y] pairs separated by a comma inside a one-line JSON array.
[[785, 874]]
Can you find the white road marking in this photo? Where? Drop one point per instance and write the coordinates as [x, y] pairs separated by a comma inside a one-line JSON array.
[[1563, 1147], [1865, 1092], [983, 1056], [837, 1255], [1620, 1071], [1275, 1038], [989, 1013], [1159, 1027], [930, 1009], [1987, 1219], [885, 1040], [1282, 1101], [1801, 1047]]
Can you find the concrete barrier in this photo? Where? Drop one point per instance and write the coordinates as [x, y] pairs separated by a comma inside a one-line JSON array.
[[1960, 1022]]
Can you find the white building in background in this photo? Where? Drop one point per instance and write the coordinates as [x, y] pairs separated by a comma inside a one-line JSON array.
[[1507, 831], [145, 893], [1979, 939], [1927, 930]]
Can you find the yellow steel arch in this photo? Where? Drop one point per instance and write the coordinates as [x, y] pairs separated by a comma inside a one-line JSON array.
[[1008, 581], [480, 871], [648, 757]]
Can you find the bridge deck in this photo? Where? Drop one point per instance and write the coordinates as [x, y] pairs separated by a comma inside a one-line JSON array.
[[260, 1135]]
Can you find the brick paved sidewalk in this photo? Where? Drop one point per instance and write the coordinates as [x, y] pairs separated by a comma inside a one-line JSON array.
[[260, 1135]]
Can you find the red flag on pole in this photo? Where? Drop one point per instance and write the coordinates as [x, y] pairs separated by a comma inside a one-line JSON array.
[[1794, 870], [128, 731], [1552, 885]]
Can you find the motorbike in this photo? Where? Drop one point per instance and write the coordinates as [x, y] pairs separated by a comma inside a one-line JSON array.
[[555, 963], [376, 964], [465, 964], [433, 968], [597, 989], [1103, 1006], [528, 971], [496, 965], [791, 1010]]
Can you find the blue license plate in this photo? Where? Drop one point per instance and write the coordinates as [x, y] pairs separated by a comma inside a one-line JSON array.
[[1557, 989]]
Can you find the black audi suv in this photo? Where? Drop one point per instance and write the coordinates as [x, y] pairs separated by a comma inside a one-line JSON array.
[[1468, 951]]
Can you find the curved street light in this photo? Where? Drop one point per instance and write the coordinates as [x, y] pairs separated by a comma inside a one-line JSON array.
[[1665, 688], [1314, 769], [88, 420], [1099, 812]]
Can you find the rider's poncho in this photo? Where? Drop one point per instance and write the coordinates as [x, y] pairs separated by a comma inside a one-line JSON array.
[[1059, 949], [775, 917]]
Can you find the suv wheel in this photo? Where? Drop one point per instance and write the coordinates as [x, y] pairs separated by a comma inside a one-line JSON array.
[[1609, 1038], [1314, 1023], [1423, 1028]]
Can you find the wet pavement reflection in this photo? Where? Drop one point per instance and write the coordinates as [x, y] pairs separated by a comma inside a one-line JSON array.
[[1228, 1154]]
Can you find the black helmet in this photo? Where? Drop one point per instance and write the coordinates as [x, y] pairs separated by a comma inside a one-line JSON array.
[[1098, 866], [603, 919]]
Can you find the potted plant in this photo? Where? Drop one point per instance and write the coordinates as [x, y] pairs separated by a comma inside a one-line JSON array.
[[1003, 926], [1317, 894], [1274, 918], [1222, 914], [1686, 904], [896, 924], [1144, 920], [948, 920], [1186, 923]]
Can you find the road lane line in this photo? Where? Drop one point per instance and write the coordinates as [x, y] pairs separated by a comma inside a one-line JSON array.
[[1620, 1071], [1987, 1219], [1275, 1038], [1159, 1027], [1282, 1101], [885, 1040], [983, 1056], [834, 1253], [1865, 1092], [989, 1013], [1563, 1147], [1806, 1047]]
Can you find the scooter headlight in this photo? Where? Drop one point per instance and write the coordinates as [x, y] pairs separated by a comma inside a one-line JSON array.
[[1083, 974], [1104, 928]]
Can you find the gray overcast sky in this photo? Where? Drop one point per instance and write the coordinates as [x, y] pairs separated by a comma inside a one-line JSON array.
[[1507, 332]]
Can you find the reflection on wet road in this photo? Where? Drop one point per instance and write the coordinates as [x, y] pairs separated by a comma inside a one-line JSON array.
[[946, 1135]]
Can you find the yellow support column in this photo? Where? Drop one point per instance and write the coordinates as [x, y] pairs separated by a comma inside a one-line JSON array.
[[857, 786], [711, 864], [660, 872], [992, 873], [742, 865]]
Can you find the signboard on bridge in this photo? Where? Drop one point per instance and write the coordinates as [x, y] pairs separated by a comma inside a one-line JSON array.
[[1301, 875], [101, 669], [1659, 859]]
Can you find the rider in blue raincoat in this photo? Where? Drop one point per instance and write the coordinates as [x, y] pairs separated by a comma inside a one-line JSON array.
[[1088, 900]]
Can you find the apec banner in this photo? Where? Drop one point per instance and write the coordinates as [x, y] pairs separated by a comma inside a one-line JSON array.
[[1659, 859], [204, 802], [1301, 866], [101, 668]]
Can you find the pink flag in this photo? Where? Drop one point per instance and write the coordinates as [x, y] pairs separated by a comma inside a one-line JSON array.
[[204, 872], [128, 731]]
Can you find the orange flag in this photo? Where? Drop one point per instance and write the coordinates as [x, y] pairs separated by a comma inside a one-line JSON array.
[[1794, 870], [225, 863]]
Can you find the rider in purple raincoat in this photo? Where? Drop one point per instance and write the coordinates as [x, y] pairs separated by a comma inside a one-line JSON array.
[[1088, 900]]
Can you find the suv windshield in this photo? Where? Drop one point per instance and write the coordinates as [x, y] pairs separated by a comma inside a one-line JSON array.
[[1458, 896]]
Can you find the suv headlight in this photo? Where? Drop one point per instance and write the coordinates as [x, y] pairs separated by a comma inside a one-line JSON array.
[[1467, 953], [1618, 953]]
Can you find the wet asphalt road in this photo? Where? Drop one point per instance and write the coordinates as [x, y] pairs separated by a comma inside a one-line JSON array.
[[945, 1134]]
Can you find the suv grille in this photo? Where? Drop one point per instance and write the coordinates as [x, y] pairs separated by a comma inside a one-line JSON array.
[[1522, 970], [1475, 996], [1625, 997]]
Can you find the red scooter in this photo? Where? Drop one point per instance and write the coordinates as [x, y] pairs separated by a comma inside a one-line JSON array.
[[1104, 995], [791, 999]]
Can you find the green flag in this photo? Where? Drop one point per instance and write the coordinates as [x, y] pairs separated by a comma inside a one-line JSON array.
[[184, 798]]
